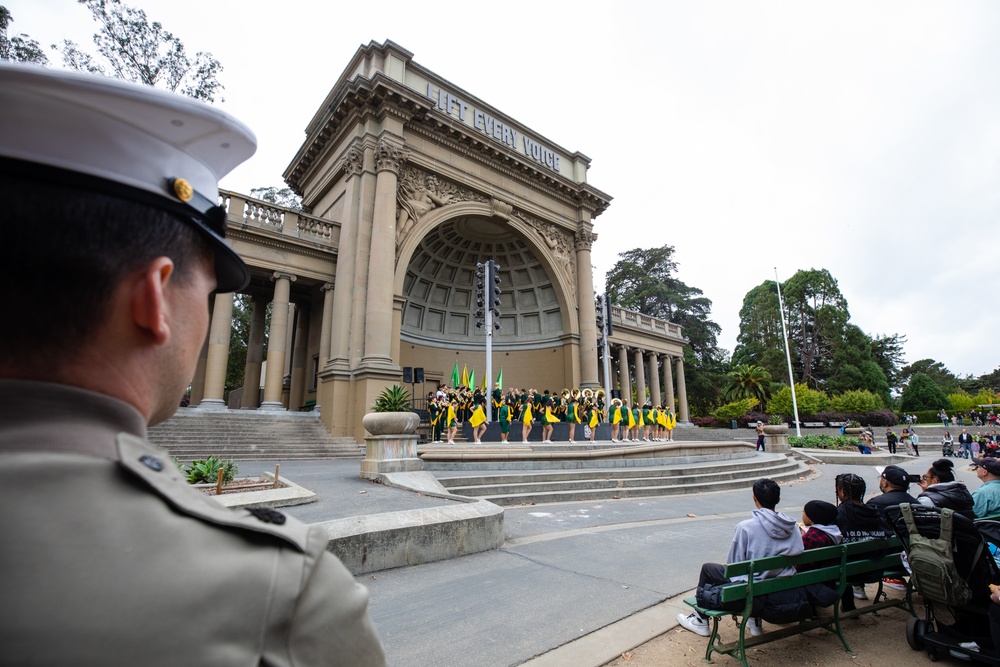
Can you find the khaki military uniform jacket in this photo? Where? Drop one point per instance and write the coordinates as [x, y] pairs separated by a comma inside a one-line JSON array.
[[109, 557]]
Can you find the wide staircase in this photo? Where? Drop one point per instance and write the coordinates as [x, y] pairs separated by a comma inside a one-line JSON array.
[[572, 483], [246, 435]]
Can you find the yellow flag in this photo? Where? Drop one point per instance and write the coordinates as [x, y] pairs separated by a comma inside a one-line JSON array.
[[465, 376], [478, 416]]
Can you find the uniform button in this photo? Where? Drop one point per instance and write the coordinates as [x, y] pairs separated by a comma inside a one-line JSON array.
[[151, 462]]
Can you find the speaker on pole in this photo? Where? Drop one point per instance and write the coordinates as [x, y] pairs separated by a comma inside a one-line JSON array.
[[418, 374], [616, 393], [407, 375]]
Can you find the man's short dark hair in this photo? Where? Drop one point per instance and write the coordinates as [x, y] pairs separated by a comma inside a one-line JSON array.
[[767, 492], [63, 252]]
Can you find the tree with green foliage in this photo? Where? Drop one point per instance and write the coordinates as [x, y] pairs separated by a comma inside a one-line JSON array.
[[810, 401], [760, 339], [748, 381], [887, 352], [278, 196], [935, 370], [644, 280], [817, 316], [856, 400], [922, 393], [735, 409], [132, 48], [19, 48]]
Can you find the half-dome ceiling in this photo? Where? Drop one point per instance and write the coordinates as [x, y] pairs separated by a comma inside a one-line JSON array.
[[440, 287]]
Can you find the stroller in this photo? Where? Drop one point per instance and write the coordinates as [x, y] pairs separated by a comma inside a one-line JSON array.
[[947, 449], [968, 637]]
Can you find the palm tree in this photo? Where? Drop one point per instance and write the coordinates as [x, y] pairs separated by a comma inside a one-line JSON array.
[[748, 381]]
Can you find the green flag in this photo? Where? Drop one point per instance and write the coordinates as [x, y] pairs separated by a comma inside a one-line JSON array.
[[472, 379], [454, 376], [500, 378]]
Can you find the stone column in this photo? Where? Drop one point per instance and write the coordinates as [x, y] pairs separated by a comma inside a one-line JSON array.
[[218, 353], [198, 381], [255, 353], [297, 390], [345, 299], [668, 380], [275, 374], [682, 397], [640, 377], [586, 311], [382, 258], [654, 377], [623, 378], [325, 327]]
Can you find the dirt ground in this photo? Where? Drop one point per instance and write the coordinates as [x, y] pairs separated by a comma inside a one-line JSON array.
[[878, 640]]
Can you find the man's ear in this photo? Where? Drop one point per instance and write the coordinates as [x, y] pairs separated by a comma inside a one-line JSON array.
[[149, 309]]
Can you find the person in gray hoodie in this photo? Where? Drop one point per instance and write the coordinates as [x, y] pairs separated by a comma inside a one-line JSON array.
[[766, 533]]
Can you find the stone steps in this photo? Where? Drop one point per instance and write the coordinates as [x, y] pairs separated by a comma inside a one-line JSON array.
[[193, 434], [525, 488]]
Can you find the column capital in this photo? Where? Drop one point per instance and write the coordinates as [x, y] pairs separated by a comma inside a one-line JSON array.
[[389, 157], [278, 275], [328, 287], [584, 239], [353, 162]]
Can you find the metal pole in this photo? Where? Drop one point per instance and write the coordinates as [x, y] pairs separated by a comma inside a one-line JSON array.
[[788, 355], [607, 359], [488, 323]]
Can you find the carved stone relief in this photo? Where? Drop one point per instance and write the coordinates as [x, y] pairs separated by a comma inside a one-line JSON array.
[[559, 242], [419, 193]]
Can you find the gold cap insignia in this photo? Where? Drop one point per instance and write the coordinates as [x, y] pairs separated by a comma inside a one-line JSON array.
[[182, 189]]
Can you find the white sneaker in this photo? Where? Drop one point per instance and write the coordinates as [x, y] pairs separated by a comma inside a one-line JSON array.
[[695, 624], [524, 442], [572, 442], [859, 593], [755, 626], [478, 442], [613, 440]]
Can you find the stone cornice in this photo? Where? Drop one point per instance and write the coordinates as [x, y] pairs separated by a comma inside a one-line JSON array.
[[382, 94]]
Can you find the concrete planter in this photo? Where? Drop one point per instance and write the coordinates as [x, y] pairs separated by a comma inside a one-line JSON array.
[[775, 429], [853, 431], [391, 423]]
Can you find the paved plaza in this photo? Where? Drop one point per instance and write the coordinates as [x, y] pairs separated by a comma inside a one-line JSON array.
[[575, 583]]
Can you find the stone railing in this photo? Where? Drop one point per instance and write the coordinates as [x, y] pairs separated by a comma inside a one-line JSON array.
[[636, 320], [245, 211]]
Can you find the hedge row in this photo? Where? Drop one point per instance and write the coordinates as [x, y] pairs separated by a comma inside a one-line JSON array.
[[875, 418]]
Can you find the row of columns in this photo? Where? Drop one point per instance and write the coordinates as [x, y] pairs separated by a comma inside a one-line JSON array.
[[208, 390], [649, 363]]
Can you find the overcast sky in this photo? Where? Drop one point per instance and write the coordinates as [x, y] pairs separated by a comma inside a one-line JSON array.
[[861, 137]]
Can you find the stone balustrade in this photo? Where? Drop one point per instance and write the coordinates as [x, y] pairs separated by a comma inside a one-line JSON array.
[[244, 211], [636, 320]]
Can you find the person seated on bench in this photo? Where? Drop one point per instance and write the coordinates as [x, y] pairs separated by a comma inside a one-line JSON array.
[[941, 490], [766, 533], [987, 497], [819, 529], [894, 482], [857, 522]]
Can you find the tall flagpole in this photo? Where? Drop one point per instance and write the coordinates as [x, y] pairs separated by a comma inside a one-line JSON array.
[[788, 355]]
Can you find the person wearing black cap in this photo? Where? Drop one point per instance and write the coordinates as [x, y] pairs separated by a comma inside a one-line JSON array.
[[894, 482], [986, 499], [113, 242]]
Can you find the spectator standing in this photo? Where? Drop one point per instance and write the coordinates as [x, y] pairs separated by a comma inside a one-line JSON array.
[[760, 436], [965, 443], [891, 440], [915, 442], [113, 246]]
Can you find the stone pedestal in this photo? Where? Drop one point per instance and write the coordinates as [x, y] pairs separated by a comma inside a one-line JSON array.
[[389, 453], [776, 438]]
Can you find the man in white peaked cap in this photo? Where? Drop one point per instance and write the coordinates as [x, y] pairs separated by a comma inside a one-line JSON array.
[[111, 243]]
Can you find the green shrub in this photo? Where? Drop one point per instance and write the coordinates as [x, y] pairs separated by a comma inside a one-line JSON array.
[[818, 441], [856, 400], [206, 471], [735, 409], [392, 399], [810, 401], [923, 394]]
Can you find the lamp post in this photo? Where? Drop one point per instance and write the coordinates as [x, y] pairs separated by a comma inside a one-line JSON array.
[[488, 303]]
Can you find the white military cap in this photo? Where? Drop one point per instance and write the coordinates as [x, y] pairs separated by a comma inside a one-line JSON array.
[[125, 140]]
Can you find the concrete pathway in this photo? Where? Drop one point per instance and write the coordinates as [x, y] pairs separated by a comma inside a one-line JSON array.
[[574, 584]]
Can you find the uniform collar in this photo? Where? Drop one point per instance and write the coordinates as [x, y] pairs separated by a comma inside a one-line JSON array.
[[43, 416]]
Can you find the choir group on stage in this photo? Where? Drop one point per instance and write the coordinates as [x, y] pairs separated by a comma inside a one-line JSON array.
[[448, 408]]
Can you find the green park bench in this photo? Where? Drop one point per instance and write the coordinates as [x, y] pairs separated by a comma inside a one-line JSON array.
[[854, 559]]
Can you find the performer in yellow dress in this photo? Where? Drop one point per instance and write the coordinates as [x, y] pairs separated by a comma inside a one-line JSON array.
[[615, 416], [478, 422], [527, 418]]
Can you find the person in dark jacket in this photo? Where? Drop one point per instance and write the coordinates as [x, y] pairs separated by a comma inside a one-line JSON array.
[[894, 483], [857, 522], [941, 490]]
